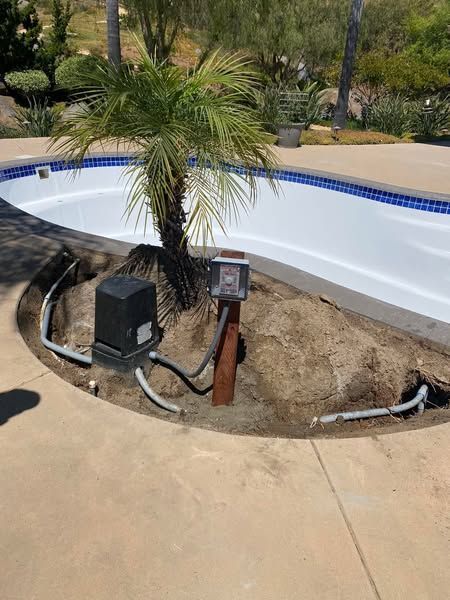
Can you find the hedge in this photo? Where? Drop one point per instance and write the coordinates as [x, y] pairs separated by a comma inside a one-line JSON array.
[[67, 75], [28, 83]]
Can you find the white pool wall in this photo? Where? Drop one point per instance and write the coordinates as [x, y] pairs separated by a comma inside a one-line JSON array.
[[393, 253]]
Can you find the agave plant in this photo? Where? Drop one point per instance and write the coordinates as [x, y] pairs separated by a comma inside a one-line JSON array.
[[195, 140], [390, 114], [314, 107], [268, 102], [432, 118], [38, 119]]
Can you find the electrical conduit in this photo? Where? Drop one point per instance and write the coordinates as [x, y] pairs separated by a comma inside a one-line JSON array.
[[419, 400], [155, 357], [154, 397], [45, 323]]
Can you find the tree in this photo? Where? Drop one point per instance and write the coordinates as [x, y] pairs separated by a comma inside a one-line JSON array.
[[172, 119], [284, 36], [18, 50], [428, 38], [61, 15], [30, 37], [160, 22], [56, 47], [9, 22], [281, 35], [345, 82], [112, 19], [384, 24]]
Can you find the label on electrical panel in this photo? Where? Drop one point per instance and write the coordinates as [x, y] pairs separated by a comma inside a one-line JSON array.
[[229, 280], [144, 333]]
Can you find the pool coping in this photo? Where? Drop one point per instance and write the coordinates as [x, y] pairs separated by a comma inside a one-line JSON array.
[[283, 168]]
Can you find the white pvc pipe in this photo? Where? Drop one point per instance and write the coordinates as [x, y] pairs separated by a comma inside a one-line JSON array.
[[419, 398]]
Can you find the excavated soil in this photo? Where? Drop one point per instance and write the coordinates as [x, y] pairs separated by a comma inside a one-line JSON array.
[[301, 356]]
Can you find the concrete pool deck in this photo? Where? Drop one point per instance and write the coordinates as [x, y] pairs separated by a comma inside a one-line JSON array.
[[422, 167], [99, 502]]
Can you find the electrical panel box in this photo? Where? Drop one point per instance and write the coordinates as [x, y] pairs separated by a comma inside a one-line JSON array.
[[229, 278], [126, 322]]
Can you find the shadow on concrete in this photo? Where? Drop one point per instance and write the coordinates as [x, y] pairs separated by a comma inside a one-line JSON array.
[[14, 402], [29, 242]]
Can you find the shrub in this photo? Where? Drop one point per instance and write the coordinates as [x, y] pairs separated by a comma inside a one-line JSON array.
[[390, 114], [28, 83], [37, 120], [314, 107], [68, 74], [8, 132], [407, 74], [431, 119], [268, 106]]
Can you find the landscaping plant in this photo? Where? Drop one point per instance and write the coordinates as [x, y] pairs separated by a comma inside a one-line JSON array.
[[171, 117], [268, 106], [313, 109], [67, 75], [390, 114], [432, 117], [28, 84], [37, 120]]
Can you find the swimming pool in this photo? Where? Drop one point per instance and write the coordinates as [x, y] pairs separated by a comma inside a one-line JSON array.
[[391, 244]]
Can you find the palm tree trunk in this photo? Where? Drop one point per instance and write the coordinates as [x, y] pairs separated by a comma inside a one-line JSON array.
[[184, 275], [112, 19], [340, 115]]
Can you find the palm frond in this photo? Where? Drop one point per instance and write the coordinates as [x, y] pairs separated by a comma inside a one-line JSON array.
[[167, 117]]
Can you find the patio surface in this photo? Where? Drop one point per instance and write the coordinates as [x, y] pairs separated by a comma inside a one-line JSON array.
[[99, 502]]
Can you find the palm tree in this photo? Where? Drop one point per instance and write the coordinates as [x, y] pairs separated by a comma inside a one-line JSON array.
[[112, 20], [340, 115], [196, 141]]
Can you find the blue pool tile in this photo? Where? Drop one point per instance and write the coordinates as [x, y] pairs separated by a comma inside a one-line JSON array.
[[357, 190]]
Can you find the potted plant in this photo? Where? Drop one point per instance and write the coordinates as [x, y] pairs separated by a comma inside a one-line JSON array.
[[291, 125], [280, 112]]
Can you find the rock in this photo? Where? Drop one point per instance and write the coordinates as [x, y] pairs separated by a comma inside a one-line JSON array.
[[7, 110], [330, 301]]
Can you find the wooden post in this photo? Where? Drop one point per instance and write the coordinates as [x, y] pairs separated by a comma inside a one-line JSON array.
[[226, 351]]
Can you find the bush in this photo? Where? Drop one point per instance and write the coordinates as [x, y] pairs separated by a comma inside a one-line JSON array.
[[431, 119], [390, 114], [68, 75], [37, 120], [407, 74], [314, 107], [376, 73], [268, 107], [28, 83], [8, 132]]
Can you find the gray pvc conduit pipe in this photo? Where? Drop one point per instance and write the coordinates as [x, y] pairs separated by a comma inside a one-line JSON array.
[[154, 397], [419, 400], [45, 324], [49, 294], [154, 356], [87, 360]]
